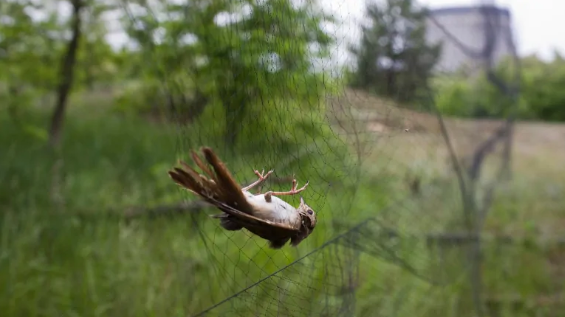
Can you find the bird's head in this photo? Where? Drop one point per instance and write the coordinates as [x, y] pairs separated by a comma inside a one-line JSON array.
[[307, 214]]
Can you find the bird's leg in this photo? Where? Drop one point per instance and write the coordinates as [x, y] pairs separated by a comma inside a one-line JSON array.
[[260, 180], [292, 191]]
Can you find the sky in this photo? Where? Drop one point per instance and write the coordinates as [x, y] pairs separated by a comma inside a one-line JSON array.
[[538, 25]]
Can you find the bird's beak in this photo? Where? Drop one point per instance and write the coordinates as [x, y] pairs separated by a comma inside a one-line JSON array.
[[301, 200]]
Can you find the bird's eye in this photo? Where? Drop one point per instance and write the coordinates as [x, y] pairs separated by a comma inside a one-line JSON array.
[[310, 211]]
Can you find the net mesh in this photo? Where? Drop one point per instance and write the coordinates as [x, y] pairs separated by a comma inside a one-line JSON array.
[[386, 182]]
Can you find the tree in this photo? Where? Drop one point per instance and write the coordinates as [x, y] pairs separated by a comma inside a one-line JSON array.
[[28, 49], [95, 61], [66, 74], [542, 88], [239, 55], [42, 53], [393, 57], [541, 95]]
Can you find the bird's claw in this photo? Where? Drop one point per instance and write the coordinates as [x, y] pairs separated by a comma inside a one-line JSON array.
[[261, 177]]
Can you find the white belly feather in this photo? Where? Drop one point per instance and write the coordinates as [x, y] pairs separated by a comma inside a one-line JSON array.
[[277, 210]]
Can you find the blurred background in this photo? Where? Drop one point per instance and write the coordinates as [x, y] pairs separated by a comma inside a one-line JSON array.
[[430, 132]]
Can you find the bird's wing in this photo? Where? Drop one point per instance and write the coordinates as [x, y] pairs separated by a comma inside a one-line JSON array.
[[254, 223], [219, 186]]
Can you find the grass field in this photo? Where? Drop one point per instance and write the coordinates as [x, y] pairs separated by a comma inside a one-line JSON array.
[[65, 250]]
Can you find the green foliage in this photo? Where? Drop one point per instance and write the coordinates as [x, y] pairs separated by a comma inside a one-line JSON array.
[[452, 94], [479, 98], [28, 46], [33, 40], [393, 57], [96, 62], [28, 50], [139, 98], [540, 94], [239, 74], [64, 228], [543, 91], [61, 230], [240, 55]]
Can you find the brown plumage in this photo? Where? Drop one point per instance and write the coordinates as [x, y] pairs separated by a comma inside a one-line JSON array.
[[264, 214]]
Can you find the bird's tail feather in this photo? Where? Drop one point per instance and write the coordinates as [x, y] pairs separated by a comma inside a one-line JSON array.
[[214, 186], [223, 176]]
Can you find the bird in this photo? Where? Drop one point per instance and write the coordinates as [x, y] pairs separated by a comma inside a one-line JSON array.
[[263, 214]]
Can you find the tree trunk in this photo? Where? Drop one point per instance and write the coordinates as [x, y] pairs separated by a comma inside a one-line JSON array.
[[66, 77]]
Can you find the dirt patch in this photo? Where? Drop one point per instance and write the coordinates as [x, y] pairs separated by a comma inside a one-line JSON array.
[[536, 144]]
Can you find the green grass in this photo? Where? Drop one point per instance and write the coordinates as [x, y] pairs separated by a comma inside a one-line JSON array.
[[65, 250]]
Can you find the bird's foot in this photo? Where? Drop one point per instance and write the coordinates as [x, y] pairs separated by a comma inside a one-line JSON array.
[[292, 191], [262, 177]]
